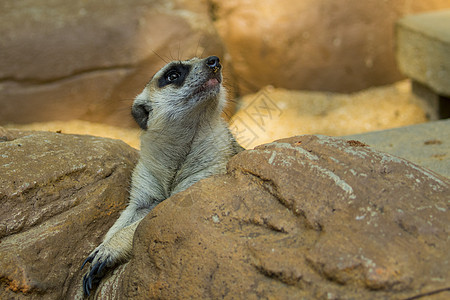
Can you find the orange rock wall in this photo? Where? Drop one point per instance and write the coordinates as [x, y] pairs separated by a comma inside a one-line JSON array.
[[87, 60], [341, 46]]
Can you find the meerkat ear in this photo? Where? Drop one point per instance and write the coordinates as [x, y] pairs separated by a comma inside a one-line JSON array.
[[140, 114]]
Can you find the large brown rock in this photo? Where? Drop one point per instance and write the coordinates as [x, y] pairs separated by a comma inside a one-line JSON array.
[[309, 216], [341, 46], [88, 59], [58, 195]]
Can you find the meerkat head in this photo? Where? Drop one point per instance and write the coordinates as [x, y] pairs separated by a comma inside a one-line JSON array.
[[181, 89]]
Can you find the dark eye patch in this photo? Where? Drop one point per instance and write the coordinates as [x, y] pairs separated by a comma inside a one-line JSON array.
[[175, 75]]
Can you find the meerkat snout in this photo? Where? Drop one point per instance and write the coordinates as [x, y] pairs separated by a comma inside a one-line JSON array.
[[213, 62]]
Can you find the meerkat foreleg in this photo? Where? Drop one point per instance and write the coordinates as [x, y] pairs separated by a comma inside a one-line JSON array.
[[116, 246]]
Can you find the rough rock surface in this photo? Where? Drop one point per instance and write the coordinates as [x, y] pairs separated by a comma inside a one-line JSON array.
[[341, 46], [93, 57], [308, 216], [58, 195], [427, 144]]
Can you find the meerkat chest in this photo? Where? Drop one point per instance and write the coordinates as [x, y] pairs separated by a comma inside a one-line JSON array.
[[200, 163], [176, 169], [177, 161]]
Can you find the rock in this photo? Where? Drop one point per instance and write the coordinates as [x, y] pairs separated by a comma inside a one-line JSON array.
[[341, 46], [59, 194], [427, 145], [275, 113], [422, 49], [89, 59], [309, 217], [131, 136]]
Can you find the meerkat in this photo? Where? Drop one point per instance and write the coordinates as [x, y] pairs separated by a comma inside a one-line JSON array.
[[184, 140]]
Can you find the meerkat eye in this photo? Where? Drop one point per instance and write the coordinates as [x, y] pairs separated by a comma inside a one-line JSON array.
[[175, 75], [172, 75]]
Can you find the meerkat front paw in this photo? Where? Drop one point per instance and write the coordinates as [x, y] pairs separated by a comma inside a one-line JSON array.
[[113, 251], [100, 259]]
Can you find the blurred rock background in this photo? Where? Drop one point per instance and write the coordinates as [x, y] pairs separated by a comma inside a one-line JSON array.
[[328, 66]]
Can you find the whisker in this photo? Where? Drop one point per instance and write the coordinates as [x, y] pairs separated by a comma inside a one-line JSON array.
[[203, 52], [248, 85], [160, 56], [196, 49]]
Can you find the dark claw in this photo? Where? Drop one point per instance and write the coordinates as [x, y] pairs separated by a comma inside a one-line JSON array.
[[94, 269], [94, 276], [101, 267], [85, 288], [89, 259], [89, 284]]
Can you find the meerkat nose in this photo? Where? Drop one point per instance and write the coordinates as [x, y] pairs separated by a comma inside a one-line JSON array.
[[213, 62]]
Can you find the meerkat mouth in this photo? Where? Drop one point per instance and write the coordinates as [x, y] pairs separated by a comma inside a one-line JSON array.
[[211, 83], [214, 80]]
